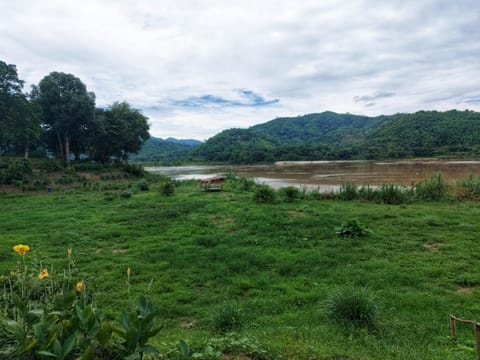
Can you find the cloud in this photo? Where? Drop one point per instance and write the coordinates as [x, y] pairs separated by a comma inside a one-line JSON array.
[[182, 61], [247, 99], [370, 98]]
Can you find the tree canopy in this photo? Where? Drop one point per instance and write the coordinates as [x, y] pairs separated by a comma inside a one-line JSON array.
[[59, 116]]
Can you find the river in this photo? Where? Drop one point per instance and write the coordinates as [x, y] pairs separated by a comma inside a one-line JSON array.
[[329, 175]]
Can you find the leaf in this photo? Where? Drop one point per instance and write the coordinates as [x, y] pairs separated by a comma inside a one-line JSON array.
[[47, 353], [184, 349], [105, 333], [68, 345], [148, 349], [18, 302]]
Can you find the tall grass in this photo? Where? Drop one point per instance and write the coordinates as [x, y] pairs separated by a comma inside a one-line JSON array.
[[432, 188]]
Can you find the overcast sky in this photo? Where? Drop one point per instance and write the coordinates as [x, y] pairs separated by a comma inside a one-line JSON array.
[[198, 67]]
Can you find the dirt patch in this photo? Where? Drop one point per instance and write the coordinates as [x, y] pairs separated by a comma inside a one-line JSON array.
[[98, 250], [189, 324], [465, 290], [433, 247], [296, 213], [120, 251]]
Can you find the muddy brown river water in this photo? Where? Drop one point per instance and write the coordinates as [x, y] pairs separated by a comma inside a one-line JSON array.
[[329, 175]]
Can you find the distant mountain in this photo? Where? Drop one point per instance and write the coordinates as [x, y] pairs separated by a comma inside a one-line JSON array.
[[156, 149], [188, 142], [332, 136]]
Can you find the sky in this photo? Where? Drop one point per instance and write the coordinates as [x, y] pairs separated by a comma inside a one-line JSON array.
[[195, 68]]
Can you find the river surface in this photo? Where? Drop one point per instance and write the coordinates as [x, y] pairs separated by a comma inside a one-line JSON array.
[[329, 175]]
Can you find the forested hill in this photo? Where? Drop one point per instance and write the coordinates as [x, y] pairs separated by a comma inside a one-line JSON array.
[[331, 136], [156, 149]]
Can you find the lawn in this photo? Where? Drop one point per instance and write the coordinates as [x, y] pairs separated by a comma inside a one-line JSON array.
[[207, 258]]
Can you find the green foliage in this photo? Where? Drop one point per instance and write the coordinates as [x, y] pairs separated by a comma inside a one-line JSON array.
[[432, 188], [352, 228], [352, 306], [228, 317], [12, 171], [348, 192], [264, 194], [289, 193], [239, 183], [134, 169], [167, 188], [392, 194], [49, 314]]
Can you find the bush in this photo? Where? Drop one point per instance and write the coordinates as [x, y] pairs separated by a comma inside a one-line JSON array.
[[392, 194], [352, 306], [289, 193], [264, 195], [240, 183], [134, 169], [352, 228], [167, 188], [142, 185], [471, 187], [230, 316], [348, 192], [432, 188]]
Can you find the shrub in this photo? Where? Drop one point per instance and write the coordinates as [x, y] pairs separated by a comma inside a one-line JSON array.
[[367, 193], [134, 169], [352, 306], [392, 194], [348, 192], [264, 195], [127, 193], [289, 193], [142, 185], [229, 316], [167, 188], [352, 228], [432, 188], [471, 187], [240, 183]]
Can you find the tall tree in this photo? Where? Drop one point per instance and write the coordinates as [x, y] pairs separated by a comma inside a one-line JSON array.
[[68, 109], [119, 131], [11, 102]]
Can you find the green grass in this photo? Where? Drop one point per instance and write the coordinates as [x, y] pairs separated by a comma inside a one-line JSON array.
[[196, 252]]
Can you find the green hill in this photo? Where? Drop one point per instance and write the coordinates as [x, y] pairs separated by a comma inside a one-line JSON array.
[[332, 136], [156, 149]]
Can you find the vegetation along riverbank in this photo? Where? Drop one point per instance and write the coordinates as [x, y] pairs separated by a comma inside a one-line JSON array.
[[246, 273]]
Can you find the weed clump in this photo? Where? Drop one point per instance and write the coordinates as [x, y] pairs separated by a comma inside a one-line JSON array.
[[167, 188], [352, 306], [229, 316], [289, 193], [432, 188], [352, 228], [264, 195]]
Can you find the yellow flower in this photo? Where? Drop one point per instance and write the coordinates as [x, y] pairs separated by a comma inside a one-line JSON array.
[[79, 286], [21, 249], [43, 274], [69, 251], [128, 272]]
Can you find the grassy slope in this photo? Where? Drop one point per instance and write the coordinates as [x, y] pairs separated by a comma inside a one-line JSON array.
[[199, 250]]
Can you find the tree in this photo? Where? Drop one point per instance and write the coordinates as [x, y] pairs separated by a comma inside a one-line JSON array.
[[11, 101], [119, 130], [19, 114], [68, 110]]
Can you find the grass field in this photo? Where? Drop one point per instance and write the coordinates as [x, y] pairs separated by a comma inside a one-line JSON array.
[[232, 275]]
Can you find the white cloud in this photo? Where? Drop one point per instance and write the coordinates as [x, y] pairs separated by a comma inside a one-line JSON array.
[[312, 56]]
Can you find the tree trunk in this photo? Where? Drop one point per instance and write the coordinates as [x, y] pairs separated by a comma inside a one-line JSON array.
[[60, 145], [67, 150], [27, 149]]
